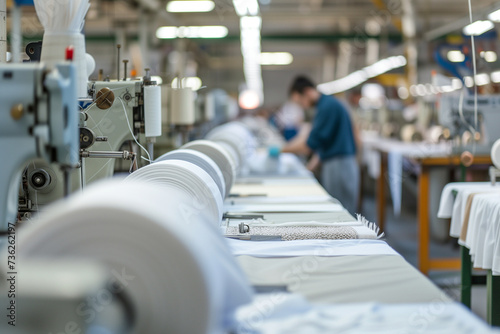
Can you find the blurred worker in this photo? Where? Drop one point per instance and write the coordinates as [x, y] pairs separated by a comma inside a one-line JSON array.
[[332, 138]]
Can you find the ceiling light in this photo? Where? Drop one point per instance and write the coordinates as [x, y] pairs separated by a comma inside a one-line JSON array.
[[495, 16], [246, 7], [478, 28], [456, 56], [249, 99], [403, 93], [199, 6], [489, 56], [192, 32], [276, 58], [495, 77], [469, 82], [482, 79]]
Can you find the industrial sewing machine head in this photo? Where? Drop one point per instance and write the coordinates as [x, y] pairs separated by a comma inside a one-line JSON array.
[[458, 116], [118, 123], [38, 119]]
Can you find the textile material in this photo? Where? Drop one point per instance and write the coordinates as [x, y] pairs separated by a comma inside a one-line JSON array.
[[331, 135], [301, 232], [340, 178]]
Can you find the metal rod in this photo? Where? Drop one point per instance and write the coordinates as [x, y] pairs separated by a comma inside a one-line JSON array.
[[118, 47], [3, 31], [107, 154], [125, 62]]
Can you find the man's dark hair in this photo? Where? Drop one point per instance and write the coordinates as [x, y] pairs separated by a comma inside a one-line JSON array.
[[300, 84]]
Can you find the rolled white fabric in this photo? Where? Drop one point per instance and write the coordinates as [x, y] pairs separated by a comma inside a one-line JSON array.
[[205, 197], [220, 156], [174, 269], [201, 160], [236, 135]]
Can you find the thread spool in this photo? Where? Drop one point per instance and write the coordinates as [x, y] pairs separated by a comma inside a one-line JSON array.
[[54, 51], [182, 106], [152, 111]]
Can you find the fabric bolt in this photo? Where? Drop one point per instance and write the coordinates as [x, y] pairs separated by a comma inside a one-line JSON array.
[[340, 178], [300, 232], [139, 238]]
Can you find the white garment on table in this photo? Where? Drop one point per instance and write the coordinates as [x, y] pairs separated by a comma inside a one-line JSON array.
[[310, 248]]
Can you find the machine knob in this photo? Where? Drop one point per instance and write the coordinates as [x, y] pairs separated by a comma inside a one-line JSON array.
[[105, 98], [17, 112], [39, 179], [87, 138]]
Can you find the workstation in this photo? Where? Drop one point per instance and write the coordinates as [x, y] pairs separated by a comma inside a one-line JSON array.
[[249, 166]]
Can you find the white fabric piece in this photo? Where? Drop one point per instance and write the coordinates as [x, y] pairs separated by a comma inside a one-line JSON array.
[[483, 232], [329, 207], [278, 200], [175, 268], [220, 156], [289, 313], [187, 177], [451, 206], [296, 248], [201, 160], [448, 199]]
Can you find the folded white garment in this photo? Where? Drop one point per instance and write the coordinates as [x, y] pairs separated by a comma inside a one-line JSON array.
[[288, 313], [483, 232], [448, 198], [310, 248], [174, 268]]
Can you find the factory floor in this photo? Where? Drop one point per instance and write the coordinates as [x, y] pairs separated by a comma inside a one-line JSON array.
[[401, 234]]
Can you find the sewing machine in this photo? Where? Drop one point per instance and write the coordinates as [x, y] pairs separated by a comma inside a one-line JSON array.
[[38, 119], [460, 123], [112, 126]]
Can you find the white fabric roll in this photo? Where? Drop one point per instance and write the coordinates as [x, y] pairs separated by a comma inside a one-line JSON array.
[[236, 135], [201, 160], [175, 269], [205, 197], [220, 156], [152, 111]]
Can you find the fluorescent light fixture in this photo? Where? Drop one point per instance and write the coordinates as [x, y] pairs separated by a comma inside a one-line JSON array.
[[199, 6], [478, 28], [276, 58], [192, 82], [482, 79], [494, 16], [356, 78], [489, 56], [495, 77], [246, 7], [192, 32], [455, 56]]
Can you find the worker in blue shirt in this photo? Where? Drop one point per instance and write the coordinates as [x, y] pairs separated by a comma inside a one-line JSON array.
[[332, 137]]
